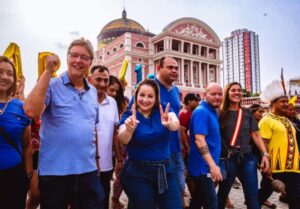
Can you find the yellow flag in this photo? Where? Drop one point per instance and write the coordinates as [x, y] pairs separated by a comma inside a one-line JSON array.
[[293, 100], [123, 73], [42, 63], [13, 53]]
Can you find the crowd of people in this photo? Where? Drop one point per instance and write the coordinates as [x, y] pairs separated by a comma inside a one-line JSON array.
[[61, 145]]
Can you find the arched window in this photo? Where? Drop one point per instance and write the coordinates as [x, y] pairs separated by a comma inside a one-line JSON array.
[[140, 45]]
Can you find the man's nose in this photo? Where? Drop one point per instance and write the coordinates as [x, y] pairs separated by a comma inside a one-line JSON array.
[[4, 76]]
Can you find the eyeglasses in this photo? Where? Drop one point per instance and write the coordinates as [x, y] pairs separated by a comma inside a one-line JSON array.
[[83, 57]]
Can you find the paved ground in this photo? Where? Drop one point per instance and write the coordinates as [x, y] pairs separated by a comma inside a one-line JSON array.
[[236, 196]]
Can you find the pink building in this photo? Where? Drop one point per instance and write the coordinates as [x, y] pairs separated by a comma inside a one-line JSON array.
[[194, 45]]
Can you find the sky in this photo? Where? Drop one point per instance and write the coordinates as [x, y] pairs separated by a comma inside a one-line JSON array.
[[50, 25]]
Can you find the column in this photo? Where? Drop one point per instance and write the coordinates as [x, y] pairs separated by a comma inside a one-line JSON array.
[[218, 74], [166, 42], [191, 73], [200, 76], [182, 72], [181, 50], [207, 75]]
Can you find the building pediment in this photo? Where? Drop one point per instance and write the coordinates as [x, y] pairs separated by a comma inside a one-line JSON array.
[[193, 28], [193, 31]]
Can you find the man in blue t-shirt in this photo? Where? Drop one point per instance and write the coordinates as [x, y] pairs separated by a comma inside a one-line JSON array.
[[205, 149], [167, 73]]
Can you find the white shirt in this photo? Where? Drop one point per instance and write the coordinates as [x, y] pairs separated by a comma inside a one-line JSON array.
[[108, 118]]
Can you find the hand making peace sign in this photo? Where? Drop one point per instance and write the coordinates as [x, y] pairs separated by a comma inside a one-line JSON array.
[[131, 122], [166, 120]]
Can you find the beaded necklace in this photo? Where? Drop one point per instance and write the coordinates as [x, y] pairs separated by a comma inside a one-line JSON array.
[[4, 108]]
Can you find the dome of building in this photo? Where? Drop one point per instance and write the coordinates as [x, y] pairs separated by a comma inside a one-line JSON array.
[[117, 28]]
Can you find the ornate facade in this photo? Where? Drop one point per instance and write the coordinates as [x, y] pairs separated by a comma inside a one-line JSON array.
[[194, 45]]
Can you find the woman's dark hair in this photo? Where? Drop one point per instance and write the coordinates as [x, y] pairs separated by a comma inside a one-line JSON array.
[[120, 99], [12, 90], [255, 107], [224, 109], [153, 84]]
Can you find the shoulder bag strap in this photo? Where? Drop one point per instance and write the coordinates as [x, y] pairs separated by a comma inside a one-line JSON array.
[[10, 141], [237, 128]]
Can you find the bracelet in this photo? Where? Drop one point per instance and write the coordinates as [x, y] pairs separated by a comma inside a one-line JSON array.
[[29, 176], [265, 154], [119, 161]]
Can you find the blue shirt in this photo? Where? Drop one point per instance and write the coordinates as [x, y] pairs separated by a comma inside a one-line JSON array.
[[150, 140], [68, 129], [171, 96], [204, 121], [13, 121]]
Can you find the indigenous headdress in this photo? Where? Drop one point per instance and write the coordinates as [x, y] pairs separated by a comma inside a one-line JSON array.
[[275, 90]]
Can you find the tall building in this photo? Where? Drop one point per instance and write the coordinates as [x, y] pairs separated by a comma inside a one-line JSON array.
[[194, 45], [241, 60]]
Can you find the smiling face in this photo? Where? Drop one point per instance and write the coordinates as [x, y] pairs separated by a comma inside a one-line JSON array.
[[281, 106], [235, 94], [79, 61], [7, 78], [145, 99]]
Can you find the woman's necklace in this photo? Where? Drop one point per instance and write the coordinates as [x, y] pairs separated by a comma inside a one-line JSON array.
[[4, 108]]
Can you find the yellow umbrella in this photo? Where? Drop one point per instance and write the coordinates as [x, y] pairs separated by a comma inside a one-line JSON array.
[[123, 73], [42, 63], [13, 53]]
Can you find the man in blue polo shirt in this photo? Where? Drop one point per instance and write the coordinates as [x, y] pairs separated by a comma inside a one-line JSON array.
[[69, 107], [205, 149]]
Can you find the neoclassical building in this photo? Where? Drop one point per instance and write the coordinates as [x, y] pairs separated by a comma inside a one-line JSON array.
[[194, 45]]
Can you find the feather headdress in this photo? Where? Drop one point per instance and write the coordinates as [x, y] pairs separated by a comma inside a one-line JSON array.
[[275, 90]]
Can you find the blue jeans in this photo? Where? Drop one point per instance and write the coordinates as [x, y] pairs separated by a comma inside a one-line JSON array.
[[179, 169], [243, 166], [141, 184], [205, 194], [82, 191]]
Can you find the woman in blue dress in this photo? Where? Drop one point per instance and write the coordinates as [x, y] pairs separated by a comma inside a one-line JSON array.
[[15, 149], [148, 176]]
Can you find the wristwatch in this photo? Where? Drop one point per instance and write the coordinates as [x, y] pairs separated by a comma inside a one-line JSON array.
[[265, 154]]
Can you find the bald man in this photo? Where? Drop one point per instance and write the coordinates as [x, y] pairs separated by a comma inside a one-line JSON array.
[[206, 149]]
